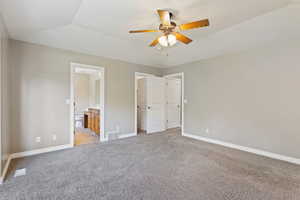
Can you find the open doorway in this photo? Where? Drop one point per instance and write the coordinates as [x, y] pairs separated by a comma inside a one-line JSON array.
[[141, 105], [175, 101], [149, 104], [87, 104], [140, 102]]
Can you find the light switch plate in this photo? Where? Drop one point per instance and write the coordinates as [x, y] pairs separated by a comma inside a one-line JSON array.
[[68, 101]]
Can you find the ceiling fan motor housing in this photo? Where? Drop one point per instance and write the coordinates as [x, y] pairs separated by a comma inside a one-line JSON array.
[[168, 29]]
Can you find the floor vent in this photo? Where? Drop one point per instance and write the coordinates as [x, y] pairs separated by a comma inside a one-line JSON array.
[[20, 172]]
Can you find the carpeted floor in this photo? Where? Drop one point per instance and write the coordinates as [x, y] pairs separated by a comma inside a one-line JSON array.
[[161, 166]]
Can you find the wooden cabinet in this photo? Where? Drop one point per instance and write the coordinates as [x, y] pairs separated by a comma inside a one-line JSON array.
[[92, 120]]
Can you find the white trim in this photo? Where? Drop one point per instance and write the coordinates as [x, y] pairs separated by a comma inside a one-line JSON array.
[[39, 151], [2, 178], [1, 111], [72, 105], [103, 137], [3, 88], [136, 74], [121, 136], [247, 149], [31, 153], [182, 97]]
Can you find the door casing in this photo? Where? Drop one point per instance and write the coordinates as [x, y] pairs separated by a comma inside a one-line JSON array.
[[183, 100], [73, 66]]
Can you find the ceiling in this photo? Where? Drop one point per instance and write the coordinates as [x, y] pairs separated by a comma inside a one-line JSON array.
[[101, 27]]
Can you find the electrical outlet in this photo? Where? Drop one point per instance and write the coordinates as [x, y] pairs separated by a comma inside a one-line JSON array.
[[38, 139], [54, 137]]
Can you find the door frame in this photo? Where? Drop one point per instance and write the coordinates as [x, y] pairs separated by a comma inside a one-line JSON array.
[[136, 74], [73, 66], [182, 97]]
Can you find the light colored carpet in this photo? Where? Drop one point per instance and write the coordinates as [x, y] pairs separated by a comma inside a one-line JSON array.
[[162, 166]]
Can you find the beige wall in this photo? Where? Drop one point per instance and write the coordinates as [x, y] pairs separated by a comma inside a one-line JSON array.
[[82, 91], [86, 91], [250, 99], [40, 84], [4, 131], [94, 91], [97, 92]]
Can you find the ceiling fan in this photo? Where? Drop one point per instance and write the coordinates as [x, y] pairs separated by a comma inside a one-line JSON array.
[[170, 30]]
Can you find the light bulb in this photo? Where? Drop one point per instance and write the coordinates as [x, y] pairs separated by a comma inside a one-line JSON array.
[[163, 41], [171, 39], [167, 40]]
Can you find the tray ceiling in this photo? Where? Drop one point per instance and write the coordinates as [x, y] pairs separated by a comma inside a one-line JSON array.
[[101, 27]]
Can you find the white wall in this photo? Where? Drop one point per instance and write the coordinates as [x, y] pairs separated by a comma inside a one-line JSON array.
[[249, 99]]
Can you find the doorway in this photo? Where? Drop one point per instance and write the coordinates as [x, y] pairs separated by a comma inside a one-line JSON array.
[[149, 103], [175, 101], [141, 105], [87, 104], [165, 106]]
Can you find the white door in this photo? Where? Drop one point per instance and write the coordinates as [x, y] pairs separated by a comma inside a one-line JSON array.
[[173, 95], [155, 92], [141, 107]]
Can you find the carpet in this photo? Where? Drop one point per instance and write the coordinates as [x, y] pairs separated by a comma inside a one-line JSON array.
[[161, 166]]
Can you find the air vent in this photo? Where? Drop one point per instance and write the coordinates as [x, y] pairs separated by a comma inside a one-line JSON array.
[[20, 172]]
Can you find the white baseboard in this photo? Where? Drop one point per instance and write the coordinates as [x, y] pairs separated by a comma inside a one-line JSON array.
[[5, 169], [39, 151], [127, 135], [30, 153], [104, 140], [247, 149]]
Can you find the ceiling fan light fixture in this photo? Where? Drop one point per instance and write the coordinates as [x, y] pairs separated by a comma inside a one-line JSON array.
[[167, 40], [163, 41], [172, 39], [171, 31]]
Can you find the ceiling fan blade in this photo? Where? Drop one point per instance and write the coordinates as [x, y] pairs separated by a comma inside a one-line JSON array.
[[143, 31], [164, 17], [154, 42], [197, 24], [182, 38]]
